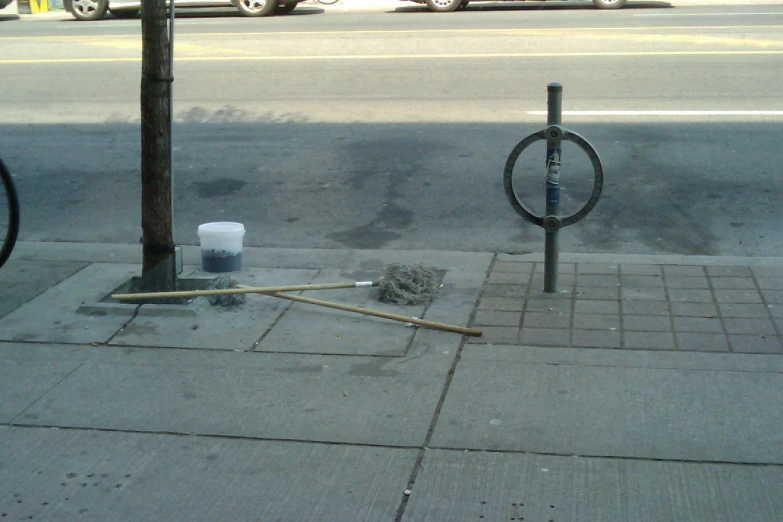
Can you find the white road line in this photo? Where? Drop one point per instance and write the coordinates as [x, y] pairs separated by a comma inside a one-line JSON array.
[[98, 27], [778, 13], [110, 24], [662, 113]]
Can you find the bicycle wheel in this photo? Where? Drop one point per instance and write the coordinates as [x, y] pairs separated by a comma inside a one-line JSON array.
[[9, 215], [327, 2]]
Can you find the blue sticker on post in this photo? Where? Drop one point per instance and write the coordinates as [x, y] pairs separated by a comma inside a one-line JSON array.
[[553, 176], [552, 194]]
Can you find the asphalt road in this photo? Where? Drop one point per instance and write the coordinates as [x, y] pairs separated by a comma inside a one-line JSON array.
[[391, 129]]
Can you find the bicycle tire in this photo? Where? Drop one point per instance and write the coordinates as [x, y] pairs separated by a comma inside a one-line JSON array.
[[9, 241]]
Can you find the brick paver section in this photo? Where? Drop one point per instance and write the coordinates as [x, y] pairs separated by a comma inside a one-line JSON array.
[[634, 306]]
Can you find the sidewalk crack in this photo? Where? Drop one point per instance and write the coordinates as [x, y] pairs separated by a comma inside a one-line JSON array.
[[446, 386], [44, 394]]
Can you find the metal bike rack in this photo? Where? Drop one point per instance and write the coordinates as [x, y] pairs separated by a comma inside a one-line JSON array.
[[551, 222]]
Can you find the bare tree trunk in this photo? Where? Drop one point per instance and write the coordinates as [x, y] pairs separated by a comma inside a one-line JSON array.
[[159, 271]]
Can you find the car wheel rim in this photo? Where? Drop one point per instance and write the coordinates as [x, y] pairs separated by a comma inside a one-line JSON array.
[[254, 6], [443, 3], [85, 7]]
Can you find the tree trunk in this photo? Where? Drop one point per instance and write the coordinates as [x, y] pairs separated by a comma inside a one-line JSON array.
[[159, 271]]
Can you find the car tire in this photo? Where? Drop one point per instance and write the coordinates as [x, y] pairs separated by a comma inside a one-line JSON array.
[[285, 9], [609, 4], [255, 7], [89, 10], [443, 6], [124, 13], [464, 5]]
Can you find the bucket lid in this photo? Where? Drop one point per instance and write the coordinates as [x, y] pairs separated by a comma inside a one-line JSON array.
[[224, 228]]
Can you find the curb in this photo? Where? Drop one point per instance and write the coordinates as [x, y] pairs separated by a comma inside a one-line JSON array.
[[310, 257]]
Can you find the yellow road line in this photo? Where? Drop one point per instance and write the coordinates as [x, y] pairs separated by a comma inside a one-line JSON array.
[[555, 30], [394, 57], [686, 39]]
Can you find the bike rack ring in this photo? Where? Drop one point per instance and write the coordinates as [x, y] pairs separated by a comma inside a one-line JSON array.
[[553, 222]]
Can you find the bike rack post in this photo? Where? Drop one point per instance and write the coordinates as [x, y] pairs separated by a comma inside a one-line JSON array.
[[551, 222], [553, 152]]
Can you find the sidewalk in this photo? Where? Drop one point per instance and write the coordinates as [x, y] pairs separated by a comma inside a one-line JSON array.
[[647, 389]]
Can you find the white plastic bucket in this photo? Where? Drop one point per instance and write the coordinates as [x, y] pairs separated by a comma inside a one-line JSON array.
[[221, 246]]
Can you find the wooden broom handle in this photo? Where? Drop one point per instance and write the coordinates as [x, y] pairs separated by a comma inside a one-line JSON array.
[[394, 317], [240, 290]]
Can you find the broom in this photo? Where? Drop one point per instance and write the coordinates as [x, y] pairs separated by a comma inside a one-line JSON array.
[[400, 284]]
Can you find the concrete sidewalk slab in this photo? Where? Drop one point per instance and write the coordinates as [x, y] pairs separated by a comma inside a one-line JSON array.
[[21, 281], [56, 315], [210, 327], [469, 486], [337, 332], [358, 400], [631, 402], [72, 306], [432, 349], [98, 476], [334, 332], [22, 382], [644, 413]]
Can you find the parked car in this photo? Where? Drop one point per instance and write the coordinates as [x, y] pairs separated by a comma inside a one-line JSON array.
[[96, 9], [445, 6]]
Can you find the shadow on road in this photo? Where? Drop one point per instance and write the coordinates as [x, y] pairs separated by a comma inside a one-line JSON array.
[[669, 187]]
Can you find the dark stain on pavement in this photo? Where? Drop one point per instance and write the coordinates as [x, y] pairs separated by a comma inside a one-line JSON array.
[[372, 265], [365, 236], [372, 369], [360, 275], [306, 368], [671, 207], [390, 169], [218, 188]]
